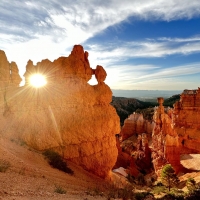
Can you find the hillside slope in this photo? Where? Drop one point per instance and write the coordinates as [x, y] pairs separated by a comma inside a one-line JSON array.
[[30, 177]]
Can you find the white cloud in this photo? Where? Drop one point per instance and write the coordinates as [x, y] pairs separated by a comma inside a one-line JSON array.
[[153, 77], [151, 48], [47, 29]]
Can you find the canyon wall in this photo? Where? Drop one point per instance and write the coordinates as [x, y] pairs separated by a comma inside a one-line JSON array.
[[67, 115], [186, 120]]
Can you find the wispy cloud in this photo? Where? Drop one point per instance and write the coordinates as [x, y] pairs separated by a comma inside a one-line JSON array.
[[63, 19], [49, 28], [149, 76], [149, 48]]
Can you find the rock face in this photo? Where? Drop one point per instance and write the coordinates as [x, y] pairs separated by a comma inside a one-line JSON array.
[[165, 141], [67, 115], [136, 124], [177, 130], [186, 120], [4, 70]]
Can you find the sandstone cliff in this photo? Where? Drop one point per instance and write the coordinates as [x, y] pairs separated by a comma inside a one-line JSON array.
[[68, 115]]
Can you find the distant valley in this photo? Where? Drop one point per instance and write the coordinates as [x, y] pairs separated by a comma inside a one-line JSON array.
[[145, 95]]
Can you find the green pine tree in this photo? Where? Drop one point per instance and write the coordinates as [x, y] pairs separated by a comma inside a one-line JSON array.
[[168, 176]]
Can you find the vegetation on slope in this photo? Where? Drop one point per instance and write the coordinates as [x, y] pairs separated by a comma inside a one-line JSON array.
[[56, 161]]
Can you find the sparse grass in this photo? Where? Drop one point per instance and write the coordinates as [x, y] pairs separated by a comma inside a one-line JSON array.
[[94, 191], [174, 193], [19, 141], [56, 161], [120, 193], [59, 190], [4, 165]]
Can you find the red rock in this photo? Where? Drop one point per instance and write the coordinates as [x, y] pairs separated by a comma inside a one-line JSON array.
[[67, 115], [14, 76], [4, 70], [186, 121], [136, 124], [100, 74], [165, 145]]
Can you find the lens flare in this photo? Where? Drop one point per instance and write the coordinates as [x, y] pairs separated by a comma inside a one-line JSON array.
[[38, 80]]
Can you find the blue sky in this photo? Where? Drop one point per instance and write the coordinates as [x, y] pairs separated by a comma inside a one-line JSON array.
[[143, 45]]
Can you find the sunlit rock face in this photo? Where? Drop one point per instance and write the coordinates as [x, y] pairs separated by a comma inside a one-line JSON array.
[[136, 124], [177, 130], [68, 115], [186, 121], [4, 70], [165, 141]]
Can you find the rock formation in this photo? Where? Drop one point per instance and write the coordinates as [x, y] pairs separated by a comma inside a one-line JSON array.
[[4, 70], [67, 115], [186, 121], [165, 142], [177, 130], [133, 145], [134, 154], [136, 124], [14, 75]]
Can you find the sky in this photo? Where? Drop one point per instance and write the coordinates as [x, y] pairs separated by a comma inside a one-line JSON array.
[[142, 44]]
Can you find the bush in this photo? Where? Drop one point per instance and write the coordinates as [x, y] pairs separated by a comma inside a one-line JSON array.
[[143, 195], [159, 189], [56, 161], [194, 195], [122, 193], [59, 190], [4, 165], [191, 184]]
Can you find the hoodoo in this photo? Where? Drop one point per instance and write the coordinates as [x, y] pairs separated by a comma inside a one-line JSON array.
[[67, 114]]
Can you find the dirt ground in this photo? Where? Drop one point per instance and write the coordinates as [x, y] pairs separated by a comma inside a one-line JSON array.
[[30, 177]]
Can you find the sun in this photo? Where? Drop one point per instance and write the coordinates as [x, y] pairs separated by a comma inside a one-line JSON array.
[[37, 80]]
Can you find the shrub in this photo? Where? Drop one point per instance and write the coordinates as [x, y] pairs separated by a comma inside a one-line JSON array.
[[194, 195], [143, 195], [191, 184], [4, 165], [159, 189], [56, 161], [122, 193], [59, 190]]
